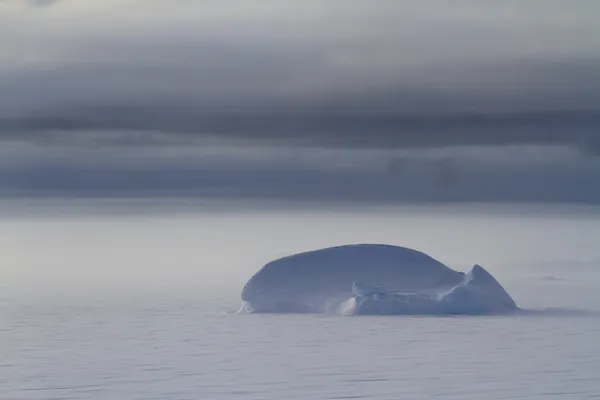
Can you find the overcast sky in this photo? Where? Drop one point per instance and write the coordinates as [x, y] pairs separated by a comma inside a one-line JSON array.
[[317, 68], [384, 74]]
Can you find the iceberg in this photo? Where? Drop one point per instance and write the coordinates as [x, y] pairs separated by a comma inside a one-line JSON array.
[[372, 279]]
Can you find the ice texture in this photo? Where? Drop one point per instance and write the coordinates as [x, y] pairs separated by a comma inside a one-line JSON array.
[[371, 279]]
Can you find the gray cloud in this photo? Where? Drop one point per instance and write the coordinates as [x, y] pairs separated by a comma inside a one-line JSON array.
[[374, 77], [484, 174], [43, 3], [337, 73]]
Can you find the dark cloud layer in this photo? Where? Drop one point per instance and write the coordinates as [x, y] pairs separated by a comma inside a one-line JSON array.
[[134, 126], [513, 174], [433, 183], [367, 76], [342, 73]]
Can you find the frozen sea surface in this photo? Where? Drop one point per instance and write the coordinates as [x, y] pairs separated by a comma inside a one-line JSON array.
[[185, 348], [63, 336]]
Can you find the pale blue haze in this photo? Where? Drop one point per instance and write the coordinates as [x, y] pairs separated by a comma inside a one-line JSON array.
[[106, 305]]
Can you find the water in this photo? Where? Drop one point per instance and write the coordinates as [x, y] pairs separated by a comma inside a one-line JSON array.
[[120, 307]]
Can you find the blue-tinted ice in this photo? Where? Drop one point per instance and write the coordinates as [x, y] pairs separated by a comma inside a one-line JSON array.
[[372, 279]]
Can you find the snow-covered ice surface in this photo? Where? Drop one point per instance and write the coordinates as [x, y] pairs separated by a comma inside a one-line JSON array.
[[401, 281], [70, 329]]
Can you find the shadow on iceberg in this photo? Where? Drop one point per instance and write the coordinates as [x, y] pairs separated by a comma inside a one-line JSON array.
[[372, 279]]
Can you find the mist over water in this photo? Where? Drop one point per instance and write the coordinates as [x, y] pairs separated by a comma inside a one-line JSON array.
[[98, 302], [63, 245]]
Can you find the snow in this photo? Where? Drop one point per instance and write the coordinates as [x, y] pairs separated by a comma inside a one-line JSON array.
[[371, 279], [359, 289]]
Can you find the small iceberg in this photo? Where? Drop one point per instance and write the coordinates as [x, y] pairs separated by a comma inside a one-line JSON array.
[[372, 279]]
